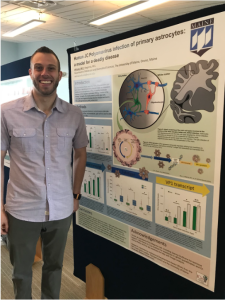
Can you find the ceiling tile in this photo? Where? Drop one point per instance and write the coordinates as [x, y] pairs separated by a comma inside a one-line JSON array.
[[3, 3], [69, 2], [8, 7], [71, 18]]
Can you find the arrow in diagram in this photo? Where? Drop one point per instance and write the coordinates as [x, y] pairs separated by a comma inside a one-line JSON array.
[[157, 158]]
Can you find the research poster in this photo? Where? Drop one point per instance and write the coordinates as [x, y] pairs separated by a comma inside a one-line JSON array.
[[153, 106]]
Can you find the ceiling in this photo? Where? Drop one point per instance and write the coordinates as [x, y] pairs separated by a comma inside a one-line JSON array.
[[67, 19]]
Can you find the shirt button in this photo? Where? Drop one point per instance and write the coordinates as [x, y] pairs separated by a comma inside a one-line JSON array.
[[24, 134], [47, 151], [67, 134], [48, 168], [46, 135]]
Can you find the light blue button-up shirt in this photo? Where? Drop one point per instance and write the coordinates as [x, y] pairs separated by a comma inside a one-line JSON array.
[[40, 149]]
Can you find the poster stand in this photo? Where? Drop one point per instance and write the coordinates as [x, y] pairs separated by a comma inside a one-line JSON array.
[[95, 283], [38, 254]]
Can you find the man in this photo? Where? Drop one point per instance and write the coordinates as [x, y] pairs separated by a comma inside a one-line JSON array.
[[39, 131]]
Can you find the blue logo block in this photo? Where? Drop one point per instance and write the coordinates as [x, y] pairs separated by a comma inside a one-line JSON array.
[[201, 38]]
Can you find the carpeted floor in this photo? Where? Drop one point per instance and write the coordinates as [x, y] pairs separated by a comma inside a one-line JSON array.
[[71, 288]]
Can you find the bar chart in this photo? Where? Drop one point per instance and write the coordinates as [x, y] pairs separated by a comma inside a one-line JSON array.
[[93, 185], [100, 140], [130, 195], [181, 210]]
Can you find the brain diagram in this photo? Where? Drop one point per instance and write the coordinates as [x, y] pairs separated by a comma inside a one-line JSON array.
[[141, 99], [193, 90]]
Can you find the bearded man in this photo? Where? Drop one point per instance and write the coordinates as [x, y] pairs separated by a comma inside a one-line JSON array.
[[39, 131]]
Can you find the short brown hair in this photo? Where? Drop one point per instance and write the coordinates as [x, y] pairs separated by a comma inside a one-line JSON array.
[[44, 49]]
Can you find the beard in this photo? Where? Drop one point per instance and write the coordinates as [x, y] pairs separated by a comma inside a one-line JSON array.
[[45, 93]]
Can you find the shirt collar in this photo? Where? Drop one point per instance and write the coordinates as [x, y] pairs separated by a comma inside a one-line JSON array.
[[29, 103], [58, 104]]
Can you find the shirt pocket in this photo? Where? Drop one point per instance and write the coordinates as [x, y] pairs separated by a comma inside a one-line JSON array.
[[25, 138], [65, 137]]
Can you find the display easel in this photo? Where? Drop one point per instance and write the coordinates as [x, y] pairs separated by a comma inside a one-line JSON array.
[[95, 283], [38, 255]]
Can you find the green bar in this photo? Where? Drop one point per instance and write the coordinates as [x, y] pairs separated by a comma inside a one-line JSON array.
[[115, 199], [93, 187], [89, 186], [141, 208], [98, 187], [175, 220], [184, 218], [194, 217], [90, 139], [85, 188], [166, 218], [127, 203]]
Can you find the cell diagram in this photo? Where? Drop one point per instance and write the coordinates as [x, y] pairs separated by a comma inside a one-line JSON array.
[[126, 148], [194, 91], [141, 99]]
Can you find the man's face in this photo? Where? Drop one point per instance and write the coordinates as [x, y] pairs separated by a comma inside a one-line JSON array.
[[44, 73]]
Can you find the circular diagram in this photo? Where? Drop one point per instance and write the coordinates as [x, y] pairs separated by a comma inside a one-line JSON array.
[[141, 99], [126, 148]]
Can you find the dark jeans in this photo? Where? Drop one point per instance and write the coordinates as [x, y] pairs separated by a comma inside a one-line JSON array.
[[22, 241]]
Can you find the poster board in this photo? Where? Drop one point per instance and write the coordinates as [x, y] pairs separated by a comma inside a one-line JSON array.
[[136, 178]]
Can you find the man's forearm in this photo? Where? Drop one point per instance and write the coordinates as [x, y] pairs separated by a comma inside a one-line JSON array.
[[2, 187], [4, 218], [79, 169]]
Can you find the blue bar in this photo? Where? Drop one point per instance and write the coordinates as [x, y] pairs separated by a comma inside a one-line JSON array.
[[121, 198], [148, 207], [95, 166], [162, 158], [134, 203]]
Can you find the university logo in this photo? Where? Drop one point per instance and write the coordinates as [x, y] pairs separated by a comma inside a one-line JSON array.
[[202, 36]]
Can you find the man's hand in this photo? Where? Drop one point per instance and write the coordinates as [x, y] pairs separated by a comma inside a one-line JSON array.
[[4, 218], [75, 205], [4, 223]]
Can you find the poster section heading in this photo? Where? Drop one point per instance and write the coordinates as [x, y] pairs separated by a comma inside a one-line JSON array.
[[91, 110], [93, 89], [154, 151]]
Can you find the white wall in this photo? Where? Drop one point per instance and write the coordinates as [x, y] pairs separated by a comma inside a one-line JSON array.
[[9, 52]]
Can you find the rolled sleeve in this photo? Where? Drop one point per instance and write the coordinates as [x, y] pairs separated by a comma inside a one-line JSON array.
[[80, 139], [5, 138]]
